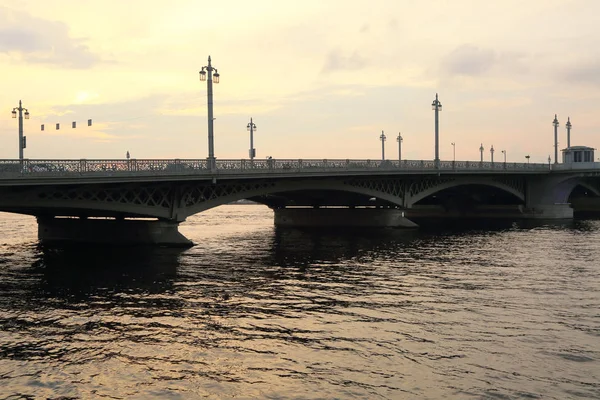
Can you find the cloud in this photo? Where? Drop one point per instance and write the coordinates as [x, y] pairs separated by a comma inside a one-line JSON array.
[[469, 60], [335, 61], [584, 73], [36, 40]]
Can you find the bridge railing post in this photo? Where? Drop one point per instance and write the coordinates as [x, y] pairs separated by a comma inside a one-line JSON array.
[[25, 165], [82, 166]]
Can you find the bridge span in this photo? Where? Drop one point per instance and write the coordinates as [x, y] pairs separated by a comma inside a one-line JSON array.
[[144, 201]]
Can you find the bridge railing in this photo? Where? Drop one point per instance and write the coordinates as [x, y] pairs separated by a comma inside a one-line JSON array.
[[16, 168]]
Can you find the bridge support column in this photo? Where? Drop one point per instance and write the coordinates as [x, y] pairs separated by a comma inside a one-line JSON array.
[[342, 217], [110, 231], [547, 198], [549, 211]]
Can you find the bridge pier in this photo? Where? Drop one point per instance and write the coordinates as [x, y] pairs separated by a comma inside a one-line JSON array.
[[342, 217], [516, 211], [110, 231], [550, 211]]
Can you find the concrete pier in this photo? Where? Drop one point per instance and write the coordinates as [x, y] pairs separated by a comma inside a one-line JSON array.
[[545, 211], [342, 217], [110, 231]]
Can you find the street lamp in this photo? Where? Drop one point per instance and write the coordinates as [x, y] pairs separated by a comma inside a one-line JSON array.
[[453, 151], [399, 140], [555, 123], [211, 78], [504, 152], [382, 138], [252, 127], [568, 125], [22, 139], [481, 152], [528, 157], [492, 153], [437, 107]]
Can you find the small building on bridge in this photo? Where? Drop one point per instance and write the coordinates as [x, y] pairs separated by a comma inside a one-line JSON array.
[[577, 154]]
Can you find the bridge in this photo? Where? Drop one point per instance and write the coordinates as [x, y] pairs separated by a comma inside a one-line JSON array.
[[144, 201]]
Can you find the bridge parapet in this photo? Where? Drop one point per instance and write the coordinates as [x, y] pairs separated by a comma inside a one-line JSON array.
[[144, 167]]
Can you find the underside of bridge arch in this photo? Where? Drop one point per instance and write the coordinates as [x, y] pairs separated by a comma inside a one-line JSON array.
[[468, 201], [585, 198], [329, 202], [278, 194], [320, 198], [470, 195]]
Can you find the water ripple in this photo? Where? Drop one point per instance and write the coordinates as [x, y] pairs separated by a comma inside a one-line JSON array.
[[258, 312]]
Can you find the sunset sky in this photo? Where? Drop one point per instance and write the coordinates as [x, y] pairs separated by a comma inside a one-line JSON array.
[[321, 79]]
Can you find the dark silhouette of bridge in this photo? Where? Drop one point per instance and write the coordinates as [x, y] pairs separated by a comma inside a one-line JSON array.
[[144, 201]]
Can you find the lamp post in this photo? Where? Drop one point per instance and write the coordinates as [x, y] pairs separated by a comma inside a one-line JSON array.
[[211, 78], [568, 125], [382, 138], [492, 153], [527, 157], [504, 152], [453, 151], [437, 107], [252, 127], [22, 139], [481, 152], [555, 123], [399, 140]]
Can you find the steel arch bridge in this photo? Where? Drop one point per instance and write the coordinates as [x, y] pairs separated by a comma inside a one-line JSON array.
[[172, 190]]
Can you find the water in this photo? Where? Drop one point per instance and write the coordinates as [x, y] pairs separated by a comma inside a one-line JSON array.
[[257, 312]]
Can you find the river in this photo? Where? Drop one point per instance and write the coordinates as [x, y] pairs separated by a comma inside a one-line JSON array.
[[253, 311]]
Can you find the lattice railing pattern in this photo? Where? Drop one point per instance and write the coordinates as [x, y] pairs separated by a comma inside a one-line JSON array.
[[134, 167], [150, 196], [394, 187], [420, 185], [195, 194], [518, 184]]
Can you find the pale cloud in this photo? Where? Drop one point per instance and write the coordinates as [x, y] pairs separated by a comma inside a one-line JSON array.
[[585, 73], [500, 103], [36, 40], [335, 61], [469, 60]]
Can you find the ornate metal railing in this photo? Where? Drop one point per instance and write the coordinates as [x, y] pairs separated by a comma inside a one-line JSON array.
[[83, 167]]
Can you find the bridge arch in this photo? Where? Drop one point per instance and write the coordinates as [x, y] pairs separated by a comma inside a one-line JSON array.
[[513, 187], [563, 188], [200, 198]]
